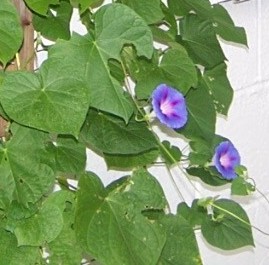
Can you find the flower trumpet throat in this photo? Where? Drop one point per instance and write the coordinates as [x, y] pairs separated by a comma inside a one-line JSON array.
[[226, 159], [169, 106]]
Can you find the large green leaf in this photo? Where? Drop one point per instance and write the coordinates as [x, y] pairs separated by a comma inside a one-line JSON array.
[[11, 34], [55, 26], [54, 100], [11, 254], [70, 155], [127, 162], [226, 231], [219, 87], [85, 4], [207, 176], [41, 6], [183, 7], [28, 177], [175, 69], [112, 227], [115, 26], [201, 115], [150, 11], [111, 135], [181, 246], [224, 26], [65, 249], [46, 225], [194, 215], [199, 38]]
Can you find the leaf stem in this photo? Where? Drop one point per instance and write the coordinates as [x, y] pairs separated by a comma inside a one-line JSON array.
[[156, 137], [18, 61], [237, 217]]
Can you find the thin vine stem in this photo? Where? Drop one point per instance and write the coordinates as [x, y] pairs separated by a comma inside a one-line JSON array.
[[127, 84], [238, 218], [175, 184], [262, 194]]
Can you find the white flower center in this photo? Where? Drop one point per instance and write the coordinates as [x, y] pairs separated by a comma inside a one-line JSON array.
[[166, 108], [225, 160]]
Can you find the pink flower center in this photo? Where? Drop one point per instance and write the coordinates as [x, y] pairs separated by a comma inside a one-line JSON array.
[[225, 160], [166, 108]]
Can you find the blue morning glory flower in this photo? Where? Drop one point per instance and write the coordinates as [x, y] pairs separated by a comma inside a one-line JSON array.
[[226, 159], [169, 106]]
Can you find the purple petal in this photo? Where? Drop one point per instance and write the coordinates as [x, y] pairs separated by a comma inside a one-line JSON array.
[[226, 159], [169, 106]]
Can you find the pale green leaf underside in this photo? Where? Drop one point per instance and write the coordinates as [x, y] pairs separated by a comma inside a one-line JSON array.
[[11, 34]]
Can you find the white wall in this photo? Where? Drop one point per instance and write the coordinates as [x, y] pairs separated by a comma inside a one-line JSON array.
[[247, 127], [248, 124]]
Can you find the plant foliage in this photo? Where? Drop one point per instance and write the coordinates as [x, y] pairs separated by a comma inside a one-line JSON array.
[[94, 91]]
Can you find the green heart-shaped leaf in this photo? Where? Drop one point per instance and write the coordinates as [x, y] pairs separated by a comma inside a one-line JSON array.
[[11, 34], [53, 100]]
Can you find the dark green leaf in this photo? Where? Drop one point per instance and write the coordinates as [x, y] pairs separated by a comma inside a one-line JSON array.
[[183, 7], [70, 155], [122, 235], [199, 38], [11, 34], [195, 215], [224, 26], [225, 231], [54, 100], [206, 176], [219, 87], [150, 11], [241, 187], [111, 135], [170, 153], [176, 69], [55, 26], [85, 4], [41, 6], [201, 115], [124, 162], [181, 246]]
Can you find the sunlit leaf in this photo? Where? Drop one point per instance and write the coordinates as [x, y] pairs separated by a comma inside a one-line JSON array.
[[11, 34]]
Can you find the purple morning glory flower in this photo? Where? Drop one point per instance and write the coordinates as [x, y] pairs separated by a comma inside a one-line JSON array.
[[226, 159], [169, 106]]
